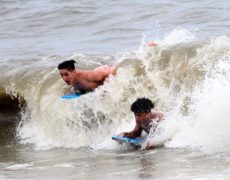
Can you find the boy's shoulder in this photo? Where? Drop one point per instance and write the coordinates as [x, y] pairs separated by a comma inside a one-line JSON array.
[[158, 115]]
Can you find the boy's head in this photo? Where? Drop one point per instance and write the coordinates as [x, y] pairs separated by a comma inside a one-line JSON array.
[[69, 65], [142, 105], [67, 71]]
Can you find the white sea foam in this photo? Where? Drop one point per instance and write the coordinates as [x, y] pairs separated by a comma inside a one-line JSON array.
[[65, 165], [20, 166]]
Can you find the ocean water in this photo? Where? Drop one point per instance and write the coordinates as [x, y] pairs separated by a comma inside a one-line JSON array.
[[186, 75]]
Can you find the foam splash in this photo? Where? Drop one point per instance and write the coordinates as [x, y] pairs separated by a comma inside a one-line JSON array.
[[20, 166], [178, 35], [206, 126]]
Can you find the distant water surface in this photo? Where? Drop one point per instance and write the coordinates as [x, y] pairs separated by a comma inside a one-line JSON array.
[[53, 27]]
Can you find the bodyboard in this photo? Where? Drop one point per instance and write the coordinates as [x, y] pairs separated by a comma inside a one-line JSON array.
[[133, 141], [71, 96]]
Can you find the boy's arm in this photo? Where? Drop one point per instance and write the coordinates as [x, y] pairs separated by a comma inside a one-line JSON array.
[[134, 133], [95, 75]]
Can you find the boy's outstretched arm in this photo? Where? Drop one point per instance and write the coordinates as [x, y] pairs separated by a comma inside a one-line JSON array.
[[99, 75], [95, 75], [132, 134]]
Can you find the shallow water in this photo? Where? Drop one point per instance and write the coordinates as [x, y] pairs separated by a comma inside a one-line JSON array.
[[24, 163]]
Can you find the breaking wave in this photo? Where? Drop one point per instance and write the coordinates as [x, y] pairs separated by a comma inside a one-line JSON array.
[[188, 79]]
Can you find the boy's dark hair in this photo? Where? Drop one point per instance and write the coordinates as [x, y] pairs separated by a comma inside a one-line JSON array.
[[69, 64], [142, 105]]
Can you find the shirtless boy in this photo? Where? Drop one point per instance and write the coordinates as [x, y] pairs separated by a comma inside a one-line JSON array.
[[145, 119], [84, 80]]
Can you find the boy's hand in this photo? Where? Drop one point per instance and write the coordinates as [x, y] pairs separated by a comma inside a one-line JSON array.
[[121, 134]]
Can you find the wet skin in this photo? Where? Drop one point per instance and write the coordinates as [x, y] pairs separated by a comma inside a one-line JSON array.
[[86, 79]]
